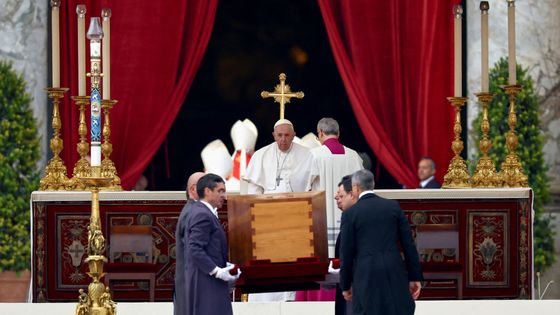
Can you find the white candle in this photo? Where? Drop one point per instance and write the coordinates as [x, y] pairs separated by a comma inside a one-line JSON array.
[[511, 43], [484, 7], [55, 29], [81, 12], [457, 79], [106, 53]]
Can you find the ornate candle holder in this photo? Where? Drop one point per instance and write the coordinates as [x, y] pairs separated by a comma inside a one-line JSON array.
[[55, 173], [108, 169], [98, 299], [485, 175], [82, 167], [457, 172], [512, 172]]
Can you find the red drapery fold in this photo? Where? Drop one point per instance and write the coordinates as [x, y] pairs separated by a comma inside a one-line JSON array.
[[156, 49], [395, 59]]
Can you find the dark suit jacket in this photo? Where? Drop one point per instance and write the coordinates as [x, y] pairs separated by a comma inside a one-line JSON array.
[[371, 262], [432, 184], [340, 302], [201, 246]]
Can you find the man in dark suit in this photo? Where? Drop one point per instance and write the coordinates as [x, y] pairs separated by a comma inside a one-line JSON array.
[[373, 274], [179, 306], [426, 172], [344, 200], [206, 271]]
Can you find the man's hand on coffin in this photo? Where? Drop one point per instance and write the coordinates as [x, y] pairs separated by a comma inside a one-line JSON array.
[[223, 273], [332, 270]]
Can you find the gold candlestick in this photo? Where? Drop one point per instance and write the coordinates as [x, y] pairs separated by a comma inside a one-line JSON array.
[[55, 173], [512, 172], [457, 173], [485, 175], [98, 299], [82, 167], [108, 169]]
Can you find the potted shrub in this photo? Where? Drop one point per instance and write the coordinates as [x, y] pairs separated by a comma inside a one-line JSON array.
[[19, 176]]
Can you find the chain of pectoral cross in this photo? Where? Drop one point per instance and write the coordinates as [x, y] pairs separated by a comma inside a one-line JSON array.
[[282, 94], [279, 167]]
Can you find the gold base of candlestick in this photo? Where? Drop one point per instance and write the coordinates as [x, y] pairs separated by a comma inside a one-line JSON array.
[[511, 173], [55, 173], [98, 299], [108, 170], [457, 175], [485, 175]]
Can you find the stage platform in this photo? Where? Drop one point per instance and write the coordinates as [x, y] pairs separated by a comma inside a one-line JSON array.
[[471, 307]]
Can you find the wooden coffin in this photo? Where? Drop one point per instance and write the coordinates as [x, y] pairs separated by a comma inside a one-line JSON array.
[[278, 240]]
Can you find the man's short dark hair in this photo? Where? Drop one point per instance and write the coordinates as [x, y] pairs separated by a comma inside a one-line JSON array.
[[429, 159], [346, 183], [207, 181]]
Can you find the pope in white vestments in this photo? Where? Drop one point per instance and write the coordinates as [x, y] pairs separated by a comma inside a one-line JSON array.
[[330, 162], [276, 168], [280, 166]]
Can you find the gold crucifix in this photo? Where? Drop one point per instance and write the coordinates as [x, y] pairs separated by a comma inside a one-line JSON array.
[[282, 94]]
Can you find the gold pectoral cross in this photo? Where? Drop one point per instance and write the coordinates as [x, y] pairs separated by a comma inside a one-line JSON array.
[[282, 94]]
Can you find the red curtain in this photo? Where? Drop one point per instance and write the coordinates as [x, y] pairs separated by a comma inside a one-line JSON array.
[[396, 58], [156, 49]]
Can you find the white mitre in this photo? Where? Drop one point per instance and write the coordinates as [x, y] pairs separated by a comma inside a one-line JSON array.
[[244, 135], [310, 141], [216, 159]]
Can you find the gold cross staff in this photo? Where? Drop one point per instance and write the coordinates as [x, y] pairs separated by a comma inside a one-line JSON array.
[[282, 94]]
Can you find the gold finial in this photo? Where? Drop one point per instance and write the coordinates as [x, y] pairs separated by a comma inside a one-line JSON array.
[[282, 94], [511, 3], [55, 3]]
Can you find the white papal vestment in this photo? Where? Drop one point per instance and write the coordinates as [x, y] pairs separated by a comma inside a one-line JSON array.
[[273, 171]]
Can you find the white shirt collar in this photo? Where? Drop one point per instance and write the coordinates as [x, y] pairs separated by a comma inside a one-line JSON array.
[[212, 209], [364, 193], [426, 181]]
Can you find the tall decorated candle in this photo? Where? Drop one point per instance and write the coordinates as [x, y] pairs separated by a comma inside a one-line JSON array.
[[95, 34]]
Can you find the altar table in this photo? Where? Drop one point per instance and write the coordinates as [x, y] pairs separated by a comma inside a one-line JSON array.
[[494, 240]]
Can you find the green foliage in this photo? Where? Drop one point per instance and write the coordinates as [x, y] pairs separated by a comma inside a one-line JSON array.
[[529, 149], [19, 153]]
